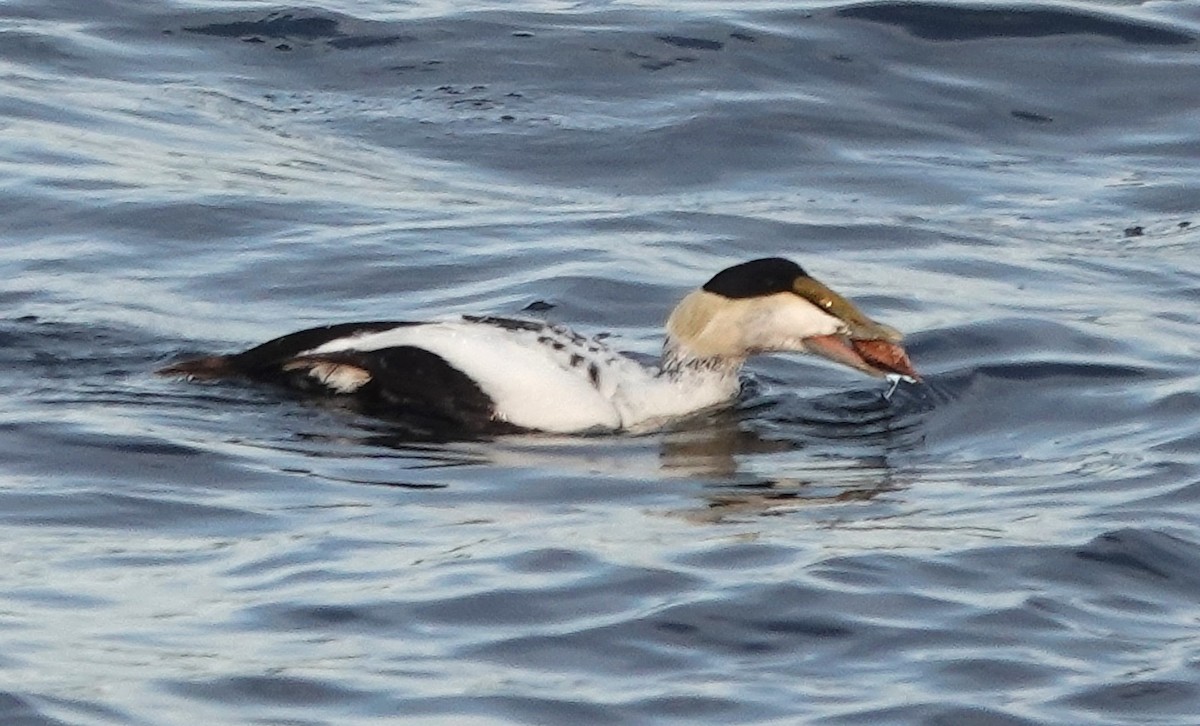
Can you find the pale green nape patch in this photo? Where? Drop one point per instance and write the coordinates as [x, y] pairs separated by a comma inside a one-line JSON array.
[[710, 326], [704, 323]]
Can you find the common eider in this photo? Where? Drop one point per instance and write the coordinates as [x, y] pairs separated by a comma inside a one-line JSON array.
[[496, 374]]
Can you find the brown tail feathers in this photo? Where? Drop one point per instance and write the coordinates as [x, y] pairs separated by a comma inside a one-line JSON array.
[[206, 368]]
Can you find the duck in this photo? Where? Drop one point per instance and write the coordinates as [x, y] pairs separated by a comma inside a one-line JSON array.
[[489, 374]]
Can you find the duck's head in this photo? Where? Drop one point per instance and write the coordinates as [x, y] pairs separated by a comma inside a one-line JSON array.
[[772, 305]]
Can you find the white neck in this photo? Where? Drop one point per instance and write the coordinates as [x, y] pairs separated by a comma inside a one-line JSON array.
[[680, 361], [683, 384]]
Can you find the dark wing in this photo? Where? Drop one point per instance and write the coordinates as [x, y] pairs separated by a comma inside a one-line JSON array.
[[404, 383], [263, 361]]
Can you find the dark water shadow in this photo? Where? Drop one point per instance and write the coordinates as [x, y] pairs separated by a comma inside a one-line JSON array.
[[294, 28], [939, 22]]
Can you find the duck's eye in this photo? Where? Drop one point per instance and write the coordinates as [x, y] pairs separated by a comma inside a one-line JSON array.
[[826, 303]]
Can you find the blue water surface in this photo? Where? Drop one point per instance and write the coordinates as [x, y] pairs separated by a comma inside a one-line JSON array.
[[1014, 185]]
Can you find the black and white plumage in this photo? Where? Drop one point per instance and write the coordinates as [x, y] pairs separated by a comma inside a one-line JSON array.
[[492, 374]]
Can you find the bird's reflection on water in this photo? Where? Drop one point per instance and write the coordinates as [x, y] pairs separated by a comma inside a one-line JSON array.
[[769, 455], [777, 454]]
